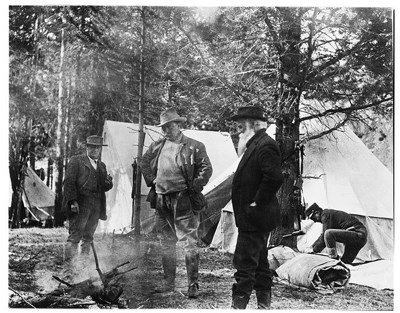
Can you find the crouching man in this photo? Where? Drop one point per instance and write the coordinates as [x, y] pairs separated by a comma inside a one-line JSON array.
[[338, 226]]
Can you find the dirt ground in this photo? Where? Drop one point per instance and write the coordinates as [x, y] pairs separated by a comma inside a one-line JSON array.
[[36, 254]]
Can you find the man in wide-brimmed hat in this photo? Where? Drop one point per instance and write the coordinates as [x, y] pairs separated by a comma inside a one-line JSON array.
[[338, 226], [176, 168], [256, 209], [84, 201]]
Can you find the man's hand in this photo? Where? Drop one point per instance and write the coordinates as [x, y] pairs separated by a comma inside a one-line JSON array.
[[109, 179], [74, 207], [308, 250]]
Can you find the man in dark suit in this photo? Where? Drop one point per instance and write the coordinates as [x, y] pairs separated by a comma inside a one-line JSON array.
[[256, 208], [84, 200], [338, 226]]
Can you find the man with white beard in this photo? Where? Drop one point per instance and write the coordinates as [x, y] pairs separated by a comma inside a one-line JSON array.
[[247, 130], [255, 206]]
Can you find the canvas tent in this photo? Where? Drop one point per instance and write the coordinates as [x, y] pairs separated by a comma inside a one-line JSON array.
[[10, 192], [122, 141], [38, 199], [340, 172]]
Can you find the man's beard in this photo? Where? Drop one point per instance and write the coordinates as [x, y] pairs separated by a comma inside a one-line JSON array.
[[244, 137]]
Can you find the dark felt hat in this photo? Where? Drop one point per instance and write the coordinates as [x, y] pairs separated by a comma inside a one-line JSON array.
[[94, 141], [312, 209], [250, 112]]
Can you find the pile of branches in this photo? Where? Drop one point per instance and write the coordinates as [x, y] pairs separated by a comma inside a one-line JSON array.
[[101, 291], [24, 264], [31, 300]]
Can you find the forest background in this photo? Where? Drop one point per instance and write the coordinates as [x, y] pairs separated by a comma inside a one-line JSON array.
[[72, 67]]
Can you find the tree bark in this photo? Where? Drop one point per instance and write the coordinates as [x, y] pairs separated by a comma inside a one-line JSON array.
[[60, 139], [141, 134], [287, 130]]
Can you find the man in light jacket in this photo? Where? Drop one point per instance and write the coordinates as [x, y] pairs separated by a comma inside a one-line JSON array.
[[176, 167]]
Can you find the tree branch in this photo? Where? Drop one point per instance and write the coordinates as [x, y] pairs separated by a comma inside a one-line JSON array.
[[337, 58], [274, 34], [344, 110], [321, 134], [310, 48], [23, 299], [222, 79]]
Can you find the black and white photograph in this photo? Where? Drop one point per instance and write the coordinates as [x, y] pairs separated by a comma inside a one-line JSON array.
[[214, 156]]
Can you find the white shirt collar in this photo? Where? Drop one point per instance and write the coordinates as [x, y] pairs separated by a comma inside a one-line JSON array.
[[92, 161]]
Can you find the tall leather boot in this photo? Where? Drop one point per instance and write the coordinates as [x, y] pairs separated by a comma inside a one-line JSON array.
[[192, 268], [239, 301], [86, 248], [169, 267], [71, 251], [263, 299], [84, 257], [70, 254]]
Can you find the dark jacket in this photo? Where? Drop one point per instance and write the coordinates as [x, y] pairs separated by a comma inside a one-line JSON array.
[[334, 219], [257, 179], [76, 177], [195, 164]]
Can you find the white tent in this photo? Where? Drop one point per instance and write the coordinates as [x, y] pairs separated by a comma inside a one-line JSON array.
[[352, 179], [340, 172], [10, 192], [122, 141], [38, 199]]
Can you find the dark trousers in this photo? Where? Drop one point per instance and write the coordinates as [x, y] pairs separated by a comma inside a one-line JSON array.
[[251, 262], [352, 240], [83, 225]]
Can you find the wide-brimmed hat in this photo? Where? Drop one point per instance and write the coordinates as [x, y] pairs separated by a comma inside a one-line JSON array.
[[250, 112], [94, 141], [312, 209], [170, 115]]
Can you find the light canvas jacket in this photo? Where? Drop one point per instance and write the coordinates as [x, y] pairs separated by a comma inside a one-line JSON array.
[[193, 161]]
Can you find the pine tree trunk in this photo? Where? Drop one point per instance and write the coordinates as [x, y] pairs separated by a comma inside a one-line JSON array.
[[287, 130], [287, 135], [137, 199], [60, 139]]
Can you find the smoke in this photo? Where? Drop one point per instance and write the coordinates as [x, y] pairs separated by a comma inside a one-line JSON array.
[[111, 254], [45, 281]]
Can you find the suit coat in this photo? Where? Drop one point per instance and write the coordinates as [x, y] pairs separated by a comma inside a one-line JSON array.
[[335, 219], [257, 179], [76, 176]]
